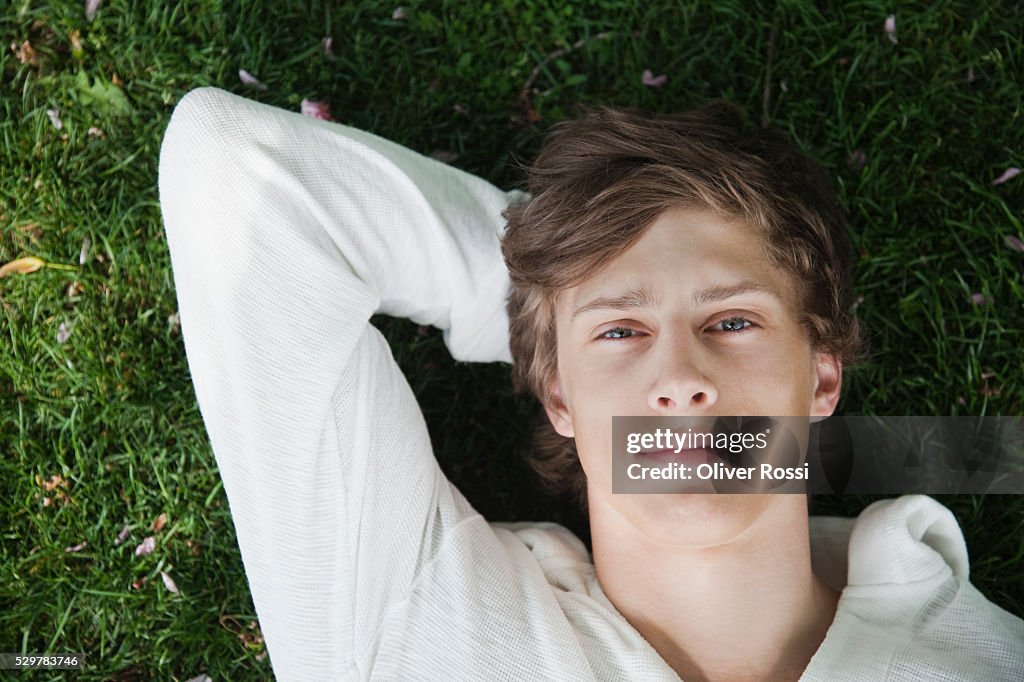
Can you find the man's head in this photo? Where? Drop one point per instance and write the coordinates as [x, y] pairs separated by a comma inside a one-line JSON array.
[[680, 209]]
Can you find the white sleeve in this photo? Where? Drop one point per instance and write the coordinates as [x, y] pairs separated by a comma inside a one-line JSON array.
[[286, 234]]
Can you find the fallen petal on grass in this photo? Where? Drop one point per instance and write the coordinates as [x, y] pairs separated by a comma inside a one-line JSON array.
[[398, 14], [980, 299], [168, 583], [121, 536], [146, 546], [320, 110], [62, 333], [327, 44], [21, 266], [251, 80], [1008, 174], [83, 255], [650, 80], [890, 28], [200, 678], [1014, 243], [55, 118], [78, 547], [90, 8]]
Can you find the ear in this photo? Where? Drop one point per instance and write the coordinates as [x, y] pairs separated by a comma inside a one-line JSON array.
[[828, 370], [558, 413]]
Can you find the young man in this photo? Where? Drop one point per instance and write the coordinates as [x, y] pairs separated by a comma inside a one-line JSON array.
[[638, 280]]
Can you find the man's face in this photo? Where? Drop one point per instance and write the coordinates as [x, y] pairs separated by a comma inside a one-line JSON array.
[[717, 334]]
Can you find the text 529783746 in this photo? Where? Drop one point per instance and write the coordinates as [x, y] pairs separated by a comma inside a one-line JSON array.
[[36, 661]]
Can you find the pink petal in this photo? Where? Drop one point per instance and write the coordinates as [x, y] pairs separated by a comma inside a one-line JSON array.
[[147, 546], [653, 81], [1008, 174], [200, 678], [168, 583], [95, 132], [890, 28], [1014, 243], [62, 333], [250, 79], [76, 548], [321, 110], [90, 8], [327, 45], [980, 299], [121, 536], [398, 14], [55, 118]]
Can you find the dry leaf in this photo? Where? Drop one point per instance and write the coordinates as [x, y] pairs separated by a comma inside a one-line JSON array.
[[160, 522], [21, 266], [26, 54]]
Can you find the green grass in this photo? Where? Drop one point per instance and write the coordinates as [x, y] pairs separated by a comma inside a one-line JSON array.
[[112, 411]]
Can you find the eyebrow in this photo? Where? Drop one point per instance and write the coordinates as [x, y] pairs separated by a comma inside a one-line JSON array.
[[639, 299]]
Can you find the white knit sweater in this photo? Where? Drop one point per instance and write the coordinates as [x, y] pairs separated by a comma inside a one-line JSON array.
[[286, 234]]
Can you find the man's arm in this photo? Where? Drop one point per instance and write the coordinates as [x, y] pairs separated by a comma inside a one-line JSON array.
[[286, 234]]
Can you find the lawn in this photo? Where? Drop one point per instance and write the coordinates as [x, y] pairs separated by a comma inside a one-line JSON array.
[[101, 443]]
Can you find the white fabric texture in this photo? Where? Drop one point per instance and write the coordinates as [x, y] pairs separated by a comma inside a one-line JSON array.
[[286, 234]]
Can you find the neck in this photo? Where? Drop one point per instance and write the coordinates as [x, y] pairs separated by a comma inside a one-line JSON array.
[[750, 608]]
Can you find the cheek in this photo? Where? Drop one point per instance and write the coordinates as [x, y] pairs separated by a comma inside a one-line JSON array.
[[781, 375]]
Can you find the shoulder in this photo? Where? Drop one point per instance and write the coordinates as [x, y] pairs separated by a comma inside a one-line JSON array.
[[906, 539]]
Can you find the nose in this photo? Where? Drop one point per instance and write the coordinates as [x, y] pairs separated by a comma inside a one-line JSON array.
[[681, 387]]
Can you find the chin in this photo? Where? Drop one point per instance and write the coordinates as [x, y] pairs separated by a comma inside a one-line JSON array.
[[695, 520]]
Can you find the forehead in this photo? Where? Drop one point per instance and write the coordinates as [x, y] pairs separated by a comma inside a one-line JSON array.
[[686, 256]]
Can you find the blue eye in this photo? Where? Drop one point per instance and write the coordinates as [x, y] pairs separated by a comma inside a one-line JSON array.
[[734, 325], [617, 330]]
